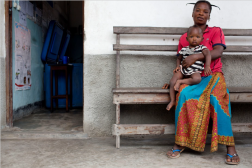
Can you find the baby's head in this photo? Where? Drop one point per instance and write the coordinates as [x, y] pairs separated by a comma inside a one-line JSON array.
[[194, 35]]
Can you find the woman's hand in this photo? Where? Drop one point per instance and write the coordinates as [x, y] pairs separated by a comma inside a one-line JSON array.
[[207, 71], [188, 61]]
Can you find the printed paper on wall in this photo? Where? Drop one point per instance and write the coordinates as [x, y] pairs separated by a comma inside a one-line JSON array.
[[22, 57]]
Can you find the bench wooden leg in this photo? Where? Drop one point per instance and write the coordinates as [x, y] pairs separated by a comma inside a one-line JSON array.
[[117, 141], [118, 114], [118, 122]]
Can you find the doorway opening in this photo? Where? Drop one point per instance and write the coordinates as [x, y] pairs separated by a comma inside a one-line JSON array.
[[29, 96]]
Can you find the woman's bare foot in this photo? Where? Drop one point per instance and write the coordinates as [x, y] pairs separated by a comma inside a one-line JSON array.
[[177, 84], [170, 105], [231, 150], [173, 154]]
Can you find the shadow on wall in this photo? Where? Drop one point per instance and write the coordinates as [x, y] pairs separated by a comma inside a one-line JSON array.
[[146, 114]]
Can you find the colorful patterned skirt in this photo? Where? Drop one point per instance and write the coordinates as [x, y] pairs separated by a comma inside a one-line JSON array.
[[195, 104]]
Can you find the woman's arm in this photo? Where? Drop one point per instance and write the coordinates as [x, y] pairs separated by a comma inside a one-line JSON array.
[[215, 53], [207, 55]]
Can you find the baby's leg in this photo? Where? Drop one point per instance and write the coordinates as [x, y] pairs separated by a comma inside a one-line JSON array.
[[193, 79], [176, 76]]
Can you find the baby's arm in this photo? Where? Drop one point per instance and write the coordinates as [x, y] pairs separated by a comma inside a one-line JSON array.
[[179, 58], [207, 55]]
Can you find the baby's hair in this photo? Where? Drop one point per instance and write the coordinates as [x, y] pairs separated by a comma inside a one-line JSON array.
[[203, 1], [193, 27]]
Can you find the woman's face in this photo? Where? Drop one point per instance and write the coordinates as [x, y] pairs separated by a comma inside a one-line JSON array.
[[201, 14]]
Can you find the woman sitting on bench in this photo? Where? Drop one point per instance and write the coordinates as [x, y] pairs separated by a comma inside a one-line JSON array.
[[195, 104]]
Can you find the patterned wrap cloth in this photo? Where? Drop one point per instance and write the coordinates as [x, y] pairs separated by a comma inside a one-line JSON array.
[[195, 104]]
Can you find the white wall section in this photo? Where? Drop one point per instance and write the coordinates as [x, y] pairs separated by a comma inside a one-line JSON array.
[[101, 16]]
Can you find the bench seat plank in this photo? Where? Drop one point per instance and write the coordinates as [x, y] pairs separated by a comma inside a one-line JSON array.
[[240, 89], [164, 98], [157, 95], [160, 90], [141, 98], [140, 90]]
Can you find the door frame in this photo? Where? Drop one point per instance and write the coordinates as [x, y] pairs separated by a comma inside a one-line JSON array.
[[83, 37], [8, 63]]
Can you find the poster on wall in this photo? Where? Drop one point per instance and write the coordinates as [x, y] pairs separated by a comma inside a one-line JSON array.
[[22, 18], [22, 57]]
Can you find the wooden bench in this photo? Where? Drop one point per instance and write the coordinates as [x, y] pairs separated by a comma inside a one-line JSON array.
[[159, 95]]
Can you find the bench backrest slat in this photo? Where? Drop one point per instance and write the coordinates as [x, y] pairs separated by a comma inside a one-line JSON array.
[[123, 47], [174, 31], [145, 47], [150, 30]]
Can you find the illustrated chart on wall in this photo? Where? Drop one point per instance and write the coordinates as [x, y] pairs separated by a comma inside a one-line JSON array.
[[22, 57]]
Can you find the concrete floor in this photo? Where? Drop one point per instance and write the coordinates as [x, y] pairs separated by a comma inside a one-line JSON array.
[[60, 120], [43, 124], [135, 152], [56, 140]]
